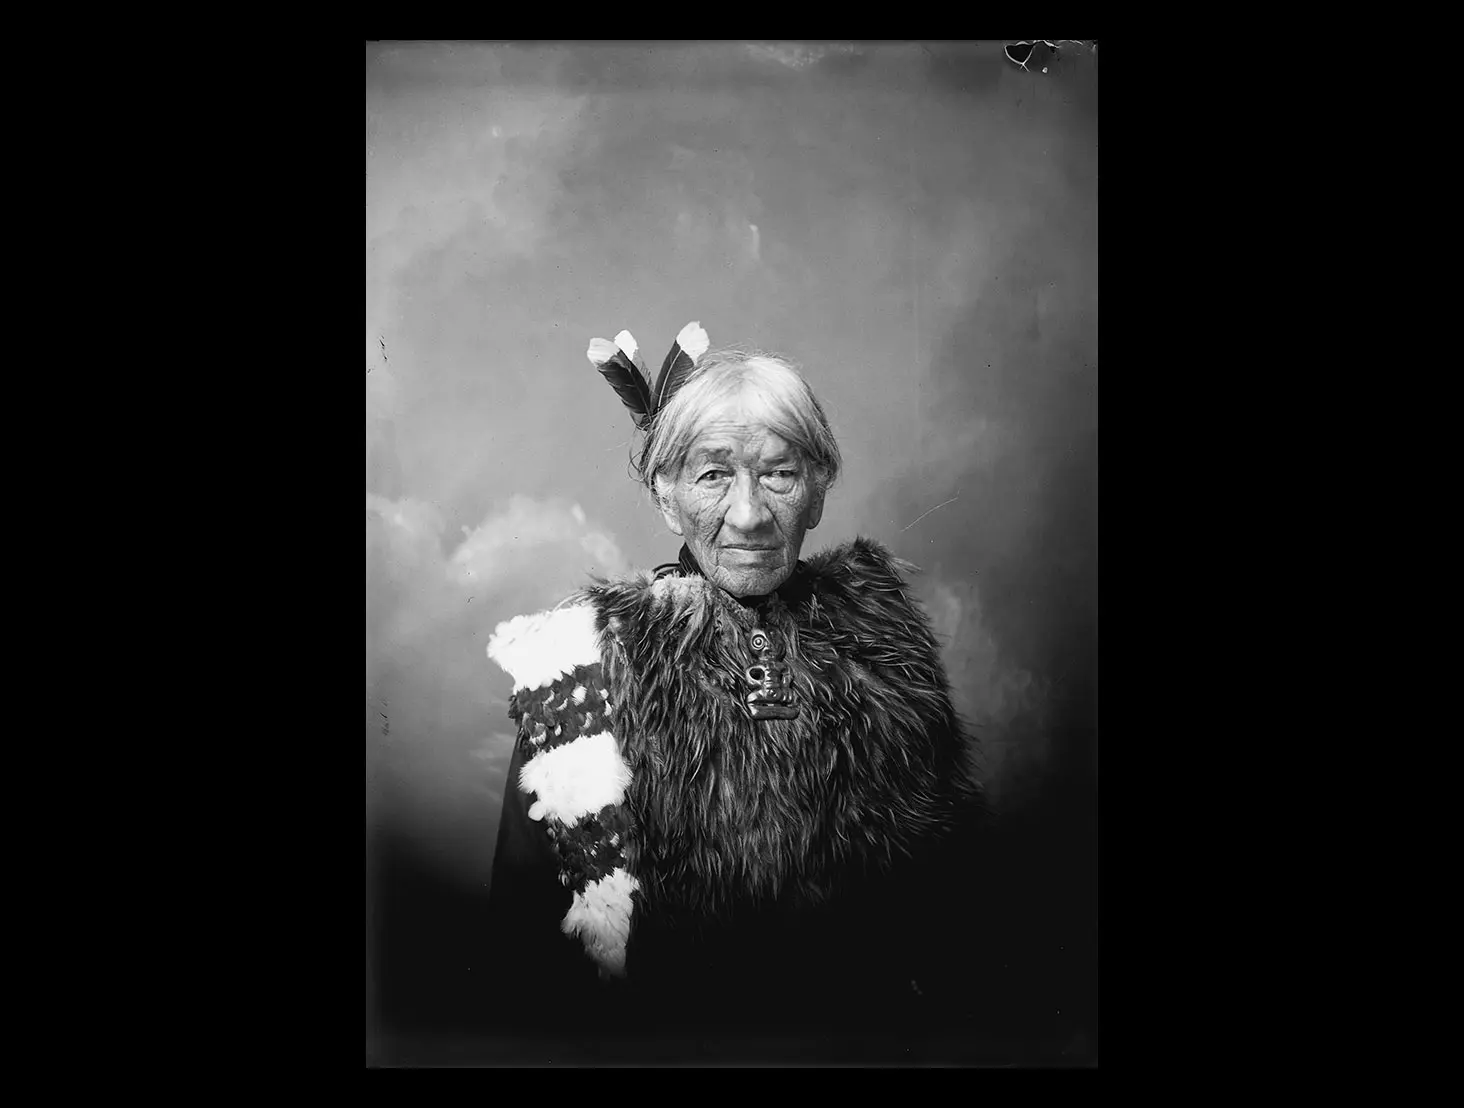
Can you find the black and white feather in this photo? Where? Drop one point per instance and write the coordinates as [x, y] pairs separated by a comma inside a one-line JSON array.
[[689, 346], [622, 365]]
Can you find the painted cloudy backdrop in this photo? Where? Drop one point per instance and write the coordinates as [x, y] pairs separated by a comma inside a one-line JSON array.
[[915, 224]]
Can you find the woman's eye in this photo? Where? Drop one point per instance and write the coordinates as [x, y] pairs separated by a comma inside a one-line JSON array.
[[711, 475]]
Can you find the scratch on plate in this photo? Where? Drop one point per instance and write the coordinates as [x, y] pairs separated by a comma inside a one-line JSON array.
[[942, 504]]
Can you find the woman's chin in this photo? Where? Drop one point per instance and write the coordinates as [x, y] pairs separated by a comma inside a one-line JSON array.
[[749, 582]]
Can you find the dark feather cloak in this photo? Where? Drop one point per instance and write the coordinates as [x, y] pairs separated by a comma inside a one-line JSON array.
[[761, 850], [729, 811]]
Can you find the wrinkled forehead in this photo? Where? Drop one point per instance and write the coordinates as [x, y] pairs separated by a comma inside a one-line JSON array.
[[745, 426]]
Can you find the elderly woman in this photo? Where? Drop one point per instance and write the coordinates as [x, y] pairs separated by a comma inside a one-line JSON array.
[[733, 772]]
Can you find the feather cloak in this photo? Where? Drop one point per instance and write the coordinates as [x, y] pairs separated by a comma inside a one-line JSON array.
[[666, 801]]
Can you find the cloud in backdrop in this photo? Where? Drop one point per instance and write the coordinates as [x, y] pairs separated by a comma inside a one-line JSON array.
[[916, 225]]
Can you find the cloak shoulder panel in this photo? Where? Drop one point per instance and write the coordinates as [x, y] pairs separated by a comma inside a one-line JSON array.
[[573, 769]]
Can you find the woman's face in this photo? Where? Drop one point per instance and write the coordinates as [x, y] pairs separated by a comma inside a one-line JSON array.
[[743, 500]]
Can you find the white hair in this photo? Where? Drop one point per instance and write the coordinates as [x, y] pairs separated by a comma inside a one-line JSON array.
[[779, 398]]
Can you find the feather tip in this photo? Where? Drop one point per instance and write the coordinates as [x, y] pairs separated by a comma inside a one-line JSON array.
[[693, 340], [600, 351]]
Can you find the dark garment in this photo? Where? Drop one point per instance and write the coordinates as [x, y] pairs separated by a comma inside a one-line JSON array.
[[884, 955], [948, 959], [542, 969], [857, 915]]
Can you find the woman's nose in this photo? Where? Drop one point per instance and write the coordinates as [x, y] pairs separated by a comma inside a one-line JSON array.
[[747, 512]]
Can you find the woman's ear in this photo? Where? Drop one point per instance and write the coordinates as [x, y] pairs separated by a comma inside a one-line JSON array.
[[815, 510], [667, 504]]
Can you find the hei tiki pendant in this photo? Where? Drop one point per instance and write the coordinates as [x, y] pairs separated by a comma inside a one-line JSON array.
[[772, 695]]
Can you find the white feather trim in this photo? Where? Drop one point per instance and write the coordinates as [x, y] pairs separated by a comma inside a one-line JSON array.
[[600, 916], [600, 352], [537, 650], [576, 779], [693, 341], [626, 342]]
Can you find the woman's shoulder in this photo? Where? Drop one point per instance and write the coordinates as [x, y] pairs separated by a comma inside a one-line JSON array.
[[536, 649], [858, 561]]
